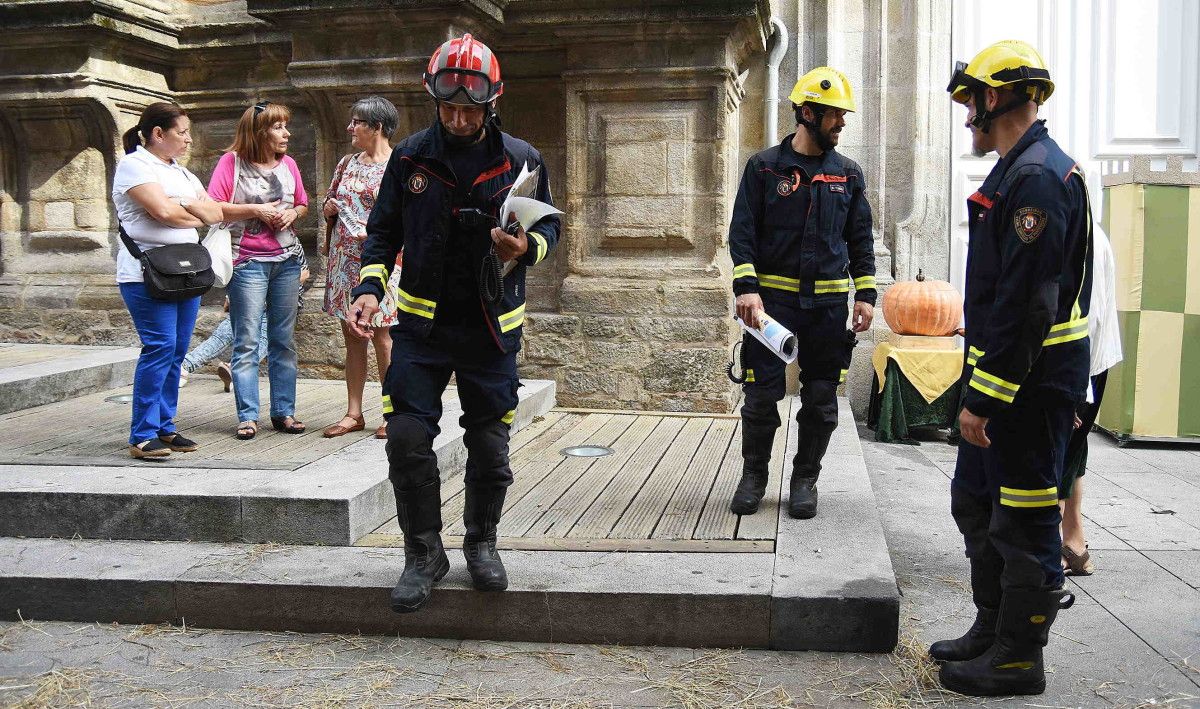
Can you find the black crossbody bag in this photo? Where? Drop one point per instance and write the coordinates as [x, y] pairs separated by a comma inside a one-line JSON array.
[[173, 272]]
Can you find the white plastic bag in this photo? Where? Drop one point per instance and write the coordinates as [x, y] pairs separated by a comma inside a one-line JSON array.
[[220, 248]]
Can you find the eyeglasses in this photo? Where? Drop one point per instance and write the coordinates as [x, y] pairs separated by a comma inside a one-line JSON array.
[[475, 86], [260, 107], [358, 121]]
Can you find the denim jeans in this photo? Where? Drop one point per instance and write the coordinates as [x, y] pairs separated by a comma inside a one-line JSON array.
[[219, 344], [165, 328], [259, 287]]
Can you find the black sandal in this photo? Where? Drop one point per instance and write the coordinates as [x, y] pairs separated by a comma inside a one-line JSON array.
[[246, 430], [288, 424], [177, 442]]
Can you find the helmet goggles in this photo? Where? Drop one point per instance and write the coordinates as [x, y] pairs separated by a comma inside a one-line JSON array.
[[475, 87]]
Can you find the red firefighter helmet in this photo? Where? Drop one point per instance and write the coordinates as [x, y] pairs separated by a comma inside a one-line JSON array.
[[463, 66]]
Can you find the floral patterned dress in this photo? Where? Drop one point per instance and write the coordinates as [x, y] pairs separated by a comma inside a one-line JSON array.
[[354, 189]]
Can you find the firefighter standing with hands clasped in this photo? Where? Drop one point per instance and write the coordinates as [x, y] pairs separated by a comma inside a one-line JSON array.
[[438, 201], [1027, 294], [800, 239]]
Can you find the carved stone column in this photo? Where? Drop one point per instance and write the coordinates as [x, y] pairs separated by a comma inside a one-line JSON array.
[[77, 74], [652, 102]]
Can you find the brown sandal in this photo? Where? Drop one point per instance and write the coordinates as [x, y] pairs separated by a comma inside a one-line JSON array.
[[381, 432], [247, 430], [1077, 564], [338, 429]]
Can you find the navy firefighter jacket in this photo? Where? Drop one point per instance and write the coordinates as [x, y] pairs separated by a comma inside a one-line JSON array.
[[1029, 280], [811, 249], [414, 212]]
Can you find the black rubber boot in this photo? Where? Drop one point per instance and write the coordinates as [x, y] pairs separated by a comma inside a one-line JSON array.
[[978, 639], [802, 498], [985, 592], [419, 512], [481, 513], [817, 420], [756, 457], [1013, 664]]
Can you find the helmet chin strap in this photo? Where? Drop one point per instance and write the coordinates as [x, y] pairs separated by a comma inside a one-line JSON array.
[[814, 126], [983, 118]]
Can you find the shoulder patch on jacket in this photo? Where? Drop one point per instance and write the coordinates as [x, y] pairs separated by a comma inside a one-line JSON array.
[[1029, 223]]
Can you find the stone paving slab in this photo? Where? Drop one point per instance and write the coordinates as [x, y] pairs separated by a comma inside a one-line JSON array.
[[554, 597], [335, 500], [826, 590], [1094, 660], [43, 374], [834, 590]]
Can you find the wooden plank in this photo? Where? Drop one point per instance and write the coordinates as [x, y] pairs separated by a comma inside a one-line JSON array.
[[559, 520], [764, 524], [522, 516], [532, 473], [529, 448], [107, 432], [379, 539], [716, 521], [599, 518], [633, 412], [220, 443], [644, 512], [47, 420], [682, 514]]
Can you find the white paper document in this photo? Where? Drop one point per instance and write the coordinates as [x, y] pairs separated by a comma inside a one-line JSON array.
[[774, 336], [521, 205]]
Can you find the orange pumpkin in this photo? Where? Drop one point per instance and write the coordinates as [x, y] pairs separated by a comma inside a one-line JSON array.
[[923, 307]]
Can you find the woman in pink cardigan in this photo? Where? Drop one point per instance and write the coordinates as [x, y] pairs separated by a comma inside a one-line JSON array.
[[262, 194]]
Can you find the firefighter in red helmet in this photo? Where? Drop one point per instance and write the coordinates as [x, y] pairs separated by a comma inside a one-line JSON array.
[[439, 201]]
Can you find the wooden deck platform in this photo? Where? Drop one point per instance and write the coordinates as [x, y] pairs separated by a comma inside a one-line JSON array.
[[88, 430], [666, 487]]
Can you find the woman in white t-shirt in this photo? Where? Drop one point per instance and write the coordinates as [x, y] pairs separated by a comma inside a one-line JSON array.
[[159, 202]]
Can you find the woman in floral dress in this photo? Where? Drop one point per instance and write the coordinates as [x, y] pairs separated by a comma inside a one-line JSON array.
[[351, 196]]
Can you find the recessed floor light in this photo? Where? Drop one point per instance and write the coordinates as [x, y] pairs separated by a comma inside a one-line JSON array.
[[119, 399], [587, 451]]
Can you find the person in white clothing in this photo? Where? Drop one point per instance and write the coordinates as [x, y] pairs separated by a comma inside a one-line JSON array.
[[1105, 339], [159, 202]]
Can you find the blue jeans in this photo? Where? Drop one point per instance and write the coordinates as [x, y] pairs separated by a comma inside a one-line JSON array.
[[219, 344], [259, 287], [165, 328]]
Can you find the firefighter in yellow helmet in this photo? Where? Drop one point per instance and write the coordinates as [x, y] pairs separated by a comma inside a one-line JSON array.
[[800, 238], [1027, 360]]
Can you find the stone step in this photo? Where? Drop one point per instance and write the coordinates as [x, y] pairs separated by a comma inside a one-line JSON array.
[[335, 500], [828, 585], [33, 375]]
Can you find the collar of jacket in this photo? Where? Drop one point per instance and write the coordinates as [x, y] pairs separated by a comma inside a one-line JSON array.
[[433, 145], [1035, 132], [831, 162]]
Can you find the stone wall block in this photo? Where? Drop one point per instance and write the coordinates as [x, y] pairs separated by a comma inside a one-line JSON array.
[[710, 300], [58, 215], [686, 371], [551, 323], [626, 298], [104, 298], [91, 214], [681, 330], [604, 326], [555, 349]]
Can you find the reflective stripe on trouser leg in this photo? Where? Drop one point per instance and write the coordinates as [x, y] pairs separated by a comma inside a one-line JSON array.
[[1023, 465]]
